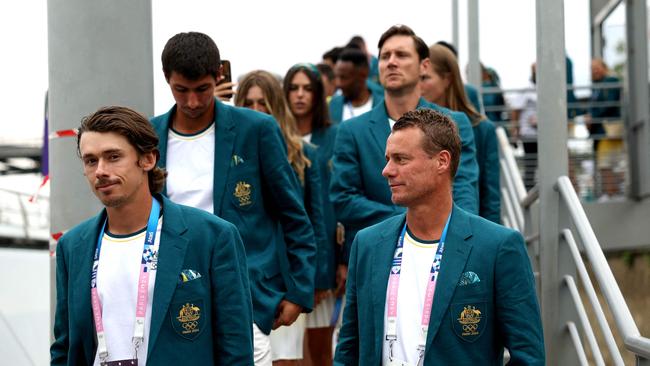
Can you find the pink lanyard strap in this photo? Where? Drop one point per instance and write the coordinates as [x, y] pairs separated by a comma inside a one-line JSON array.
[[393, 288], [143, 286]]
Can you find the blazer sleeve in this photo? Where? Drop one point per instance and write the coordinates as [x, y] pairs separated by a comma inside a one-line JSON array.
[[466, 179], [347, 349], [490, 194], [314, 207], [518, 320], [346, 189], [287, 203], [233, 335], [61, 345]]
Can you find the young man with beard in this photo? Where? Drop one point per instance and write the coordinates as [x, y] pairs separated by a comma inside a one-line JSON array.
[[139, 283]]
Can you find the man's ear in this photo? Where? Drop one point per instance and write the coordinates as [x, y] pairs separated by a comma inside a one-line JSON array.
[[425, 65], [444, 161], [148, 160]]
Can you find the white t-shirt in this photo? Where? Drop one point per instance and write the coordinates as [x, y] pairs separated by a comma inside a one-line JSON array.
[[350, 111], [190, 167], [117, 284], [307, 137], [417, 258]]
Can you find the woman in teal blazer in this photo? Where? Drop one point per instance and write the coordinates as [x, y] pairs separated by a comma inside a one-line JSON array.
[[304, 92], [442, 84]]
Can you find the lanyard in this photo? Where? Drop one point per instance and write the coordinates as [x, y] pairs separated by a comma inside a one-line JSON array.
[[143, 286], [393, 287]]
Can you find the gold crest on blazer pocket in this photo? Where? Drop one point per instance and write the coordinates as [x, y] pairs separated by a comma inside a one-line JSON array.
[[188, 318], [243, 192], [468, 320]]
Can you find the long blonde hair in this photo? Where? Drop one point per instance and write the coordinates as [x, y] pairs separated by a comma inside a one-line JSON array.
[[279, 109], [445, 64]]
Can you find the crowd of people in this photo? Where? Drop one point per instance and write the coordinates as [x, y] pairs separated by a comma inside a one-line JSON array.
[[276, 231]]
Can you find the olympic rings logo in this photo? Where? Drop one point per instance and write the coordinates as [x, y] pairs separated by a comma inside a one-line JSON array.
[[190, 326], [470, 328]]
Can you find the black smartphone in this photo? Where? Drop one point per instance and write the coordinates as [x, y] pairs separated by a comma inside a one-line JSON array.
[[225, 72], [226, 77]]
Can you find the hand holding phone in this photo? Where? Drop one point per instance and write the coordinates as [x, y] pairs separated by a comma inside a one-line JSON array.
[[224, 88]]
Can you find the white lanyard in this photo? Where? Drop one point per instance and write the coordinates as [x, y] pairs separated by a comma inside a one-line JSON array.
[[393, 287], [143, 287]]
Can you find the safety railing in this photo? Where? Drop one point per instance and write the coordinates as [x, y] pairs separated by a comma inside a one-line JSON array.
[[21, 219], [598, 161], [518, 203]]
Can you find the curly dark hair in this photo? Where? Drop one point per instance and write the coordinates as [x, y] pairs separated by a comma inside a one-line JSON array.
[[193, 55]]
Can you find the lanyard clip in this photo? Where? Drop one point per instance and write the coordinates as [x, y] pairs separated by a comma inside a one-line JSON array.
[[103, 356], [137, 341], [391, 338], [420, 355]]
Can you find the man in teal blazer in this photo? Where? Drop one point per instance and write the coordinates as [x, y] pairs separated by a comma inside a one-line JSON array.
[[484, 299], [275, 222], [360, 194], [119, 162], [253, 185], [338, 102], [351, 72]]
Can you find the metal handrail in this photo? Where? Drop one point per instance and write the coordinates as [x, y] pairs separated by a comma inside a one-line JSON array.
[[26, 217], [584, 320], [625, 324], [504, 146], [531, 197], [592, 297], [515, 197], [577, 343]]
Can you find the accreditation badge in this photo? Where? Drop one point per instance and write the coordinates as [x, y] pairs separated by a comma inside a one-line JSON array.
[[188, 318], [469, 319]]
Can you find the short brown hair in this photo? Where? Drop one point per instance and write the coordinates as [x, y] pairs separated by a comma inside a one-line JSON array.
[[135, 128], [440, 133], [404, 30]]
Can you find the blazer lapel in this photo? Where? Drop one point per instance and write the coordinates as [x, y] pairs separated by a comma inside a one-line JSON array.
[[382, 258], [379, 126], [224, 140], [83, 254], [170, 261], [454, 257]]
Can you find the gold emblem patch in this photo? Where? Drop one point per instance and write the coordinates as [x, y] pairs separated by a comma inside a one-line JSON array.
[[470, 318], [243, 193], [189, 316]]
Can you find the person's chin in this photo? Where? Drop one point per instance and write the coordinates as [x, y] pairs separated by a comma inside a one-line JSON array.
[[195, 114]]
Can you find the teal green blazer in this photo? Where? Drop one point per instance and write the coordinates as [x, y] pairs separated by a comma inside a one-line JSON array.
[[222, 293], [503, 291], [487, 156], [323, 139], [273, 224], [472, 95], [315, 207], [337, 103], [360, 193]]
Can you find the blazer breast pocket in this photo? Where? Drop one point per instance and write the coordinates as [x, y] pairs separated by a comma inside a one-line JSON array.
[[471, 291], [243, 187], [187, 310]]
